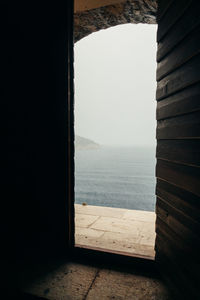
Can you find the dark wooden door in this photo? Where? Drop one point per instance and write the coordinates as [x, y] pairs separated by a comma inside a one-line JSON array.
[[178, 145]]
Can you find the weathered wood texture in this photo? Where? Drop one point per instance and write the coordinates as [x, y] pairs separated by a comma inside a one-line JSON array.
[[178, 146]]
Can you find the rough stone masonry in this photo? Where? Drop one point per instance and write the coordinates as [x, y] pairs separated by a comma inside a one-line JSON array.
[[133, 11]]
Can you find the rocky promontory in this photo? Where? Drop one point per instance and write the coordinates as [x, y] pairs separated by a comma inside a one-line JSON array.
[[82, 143]]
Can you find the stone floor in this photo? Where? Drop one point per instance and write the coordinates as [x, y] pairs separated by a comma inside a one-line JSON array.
[[115, 229], [73, 281]]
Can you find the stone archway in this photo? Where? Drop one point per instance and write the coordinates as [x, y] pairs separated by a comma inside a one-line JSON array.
[[90, 16]]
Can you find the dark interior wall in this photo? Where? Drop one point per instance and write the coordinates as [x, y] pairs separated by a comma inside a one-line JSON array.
[[35, 46], [178, 145]]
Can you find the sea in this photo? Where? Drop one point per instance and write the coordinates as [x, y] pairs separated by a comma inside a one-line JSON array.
[[122, 177]]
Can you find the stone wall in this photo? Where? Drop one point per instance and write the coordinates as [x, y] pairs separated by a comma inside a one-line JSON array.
[[133, 11]]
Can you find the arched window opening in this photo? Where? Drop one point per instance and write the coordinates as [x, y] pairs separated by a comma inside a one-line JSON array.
[[115, 140]]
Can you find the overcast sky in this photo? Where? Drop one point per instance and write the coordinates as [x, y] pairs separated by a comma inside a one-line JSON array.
[[115, 84]]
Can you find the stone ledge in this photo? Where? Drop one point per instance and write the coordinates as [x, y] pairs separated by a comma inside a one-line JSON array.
[[133, 11], [116, 229]]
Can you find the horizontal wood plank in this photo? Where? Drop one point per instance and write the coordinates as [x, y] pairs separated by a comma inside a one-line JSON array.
[[189, 21], [171, 278], [180, 127], [181, 78], [181, 230], [175, 11], [187, 49], [163, 7], [181, 151], [182, 200], [183, 102], [187, 265], [162, 229], [185, 177], [174, 217], [170, 246], [178, 146]]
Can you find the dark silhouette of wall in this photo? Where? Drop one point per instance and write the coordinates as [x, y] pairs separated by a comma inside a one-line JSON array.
[[34, 95]]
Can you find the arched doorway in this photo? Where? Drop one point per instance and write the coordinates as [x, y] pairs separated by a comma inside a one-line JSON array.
[[114, 106]]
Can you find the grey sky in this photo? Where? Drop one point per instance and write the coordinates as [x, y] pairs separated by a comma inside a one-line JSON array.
[[115, 85]]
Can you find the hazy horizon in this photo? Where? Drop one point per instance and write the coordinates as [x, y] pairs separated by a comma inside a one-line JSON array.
[[113, 145], [115, 84]]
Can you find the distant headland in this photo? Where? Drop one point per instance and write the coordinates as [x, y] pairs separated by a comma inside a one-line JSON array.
[[82, 143]]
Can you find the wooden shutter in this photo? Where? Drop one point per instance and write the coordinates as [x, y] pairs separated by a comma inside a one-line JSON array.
[[178, 145]]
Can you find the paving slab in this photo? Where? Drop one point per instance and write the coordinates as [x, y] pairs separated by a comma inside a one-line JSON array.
[[128, 231], [118, 225], [148, 239], [88, 232], [73, 281], [140, 215], [85, 221], [111, 242], [128, 243], [99, 211], [70, 281], [111, 284]]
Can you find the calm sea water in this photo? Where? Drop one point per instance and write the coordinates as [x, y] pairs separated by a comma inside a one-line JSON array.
[[116, 177]]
